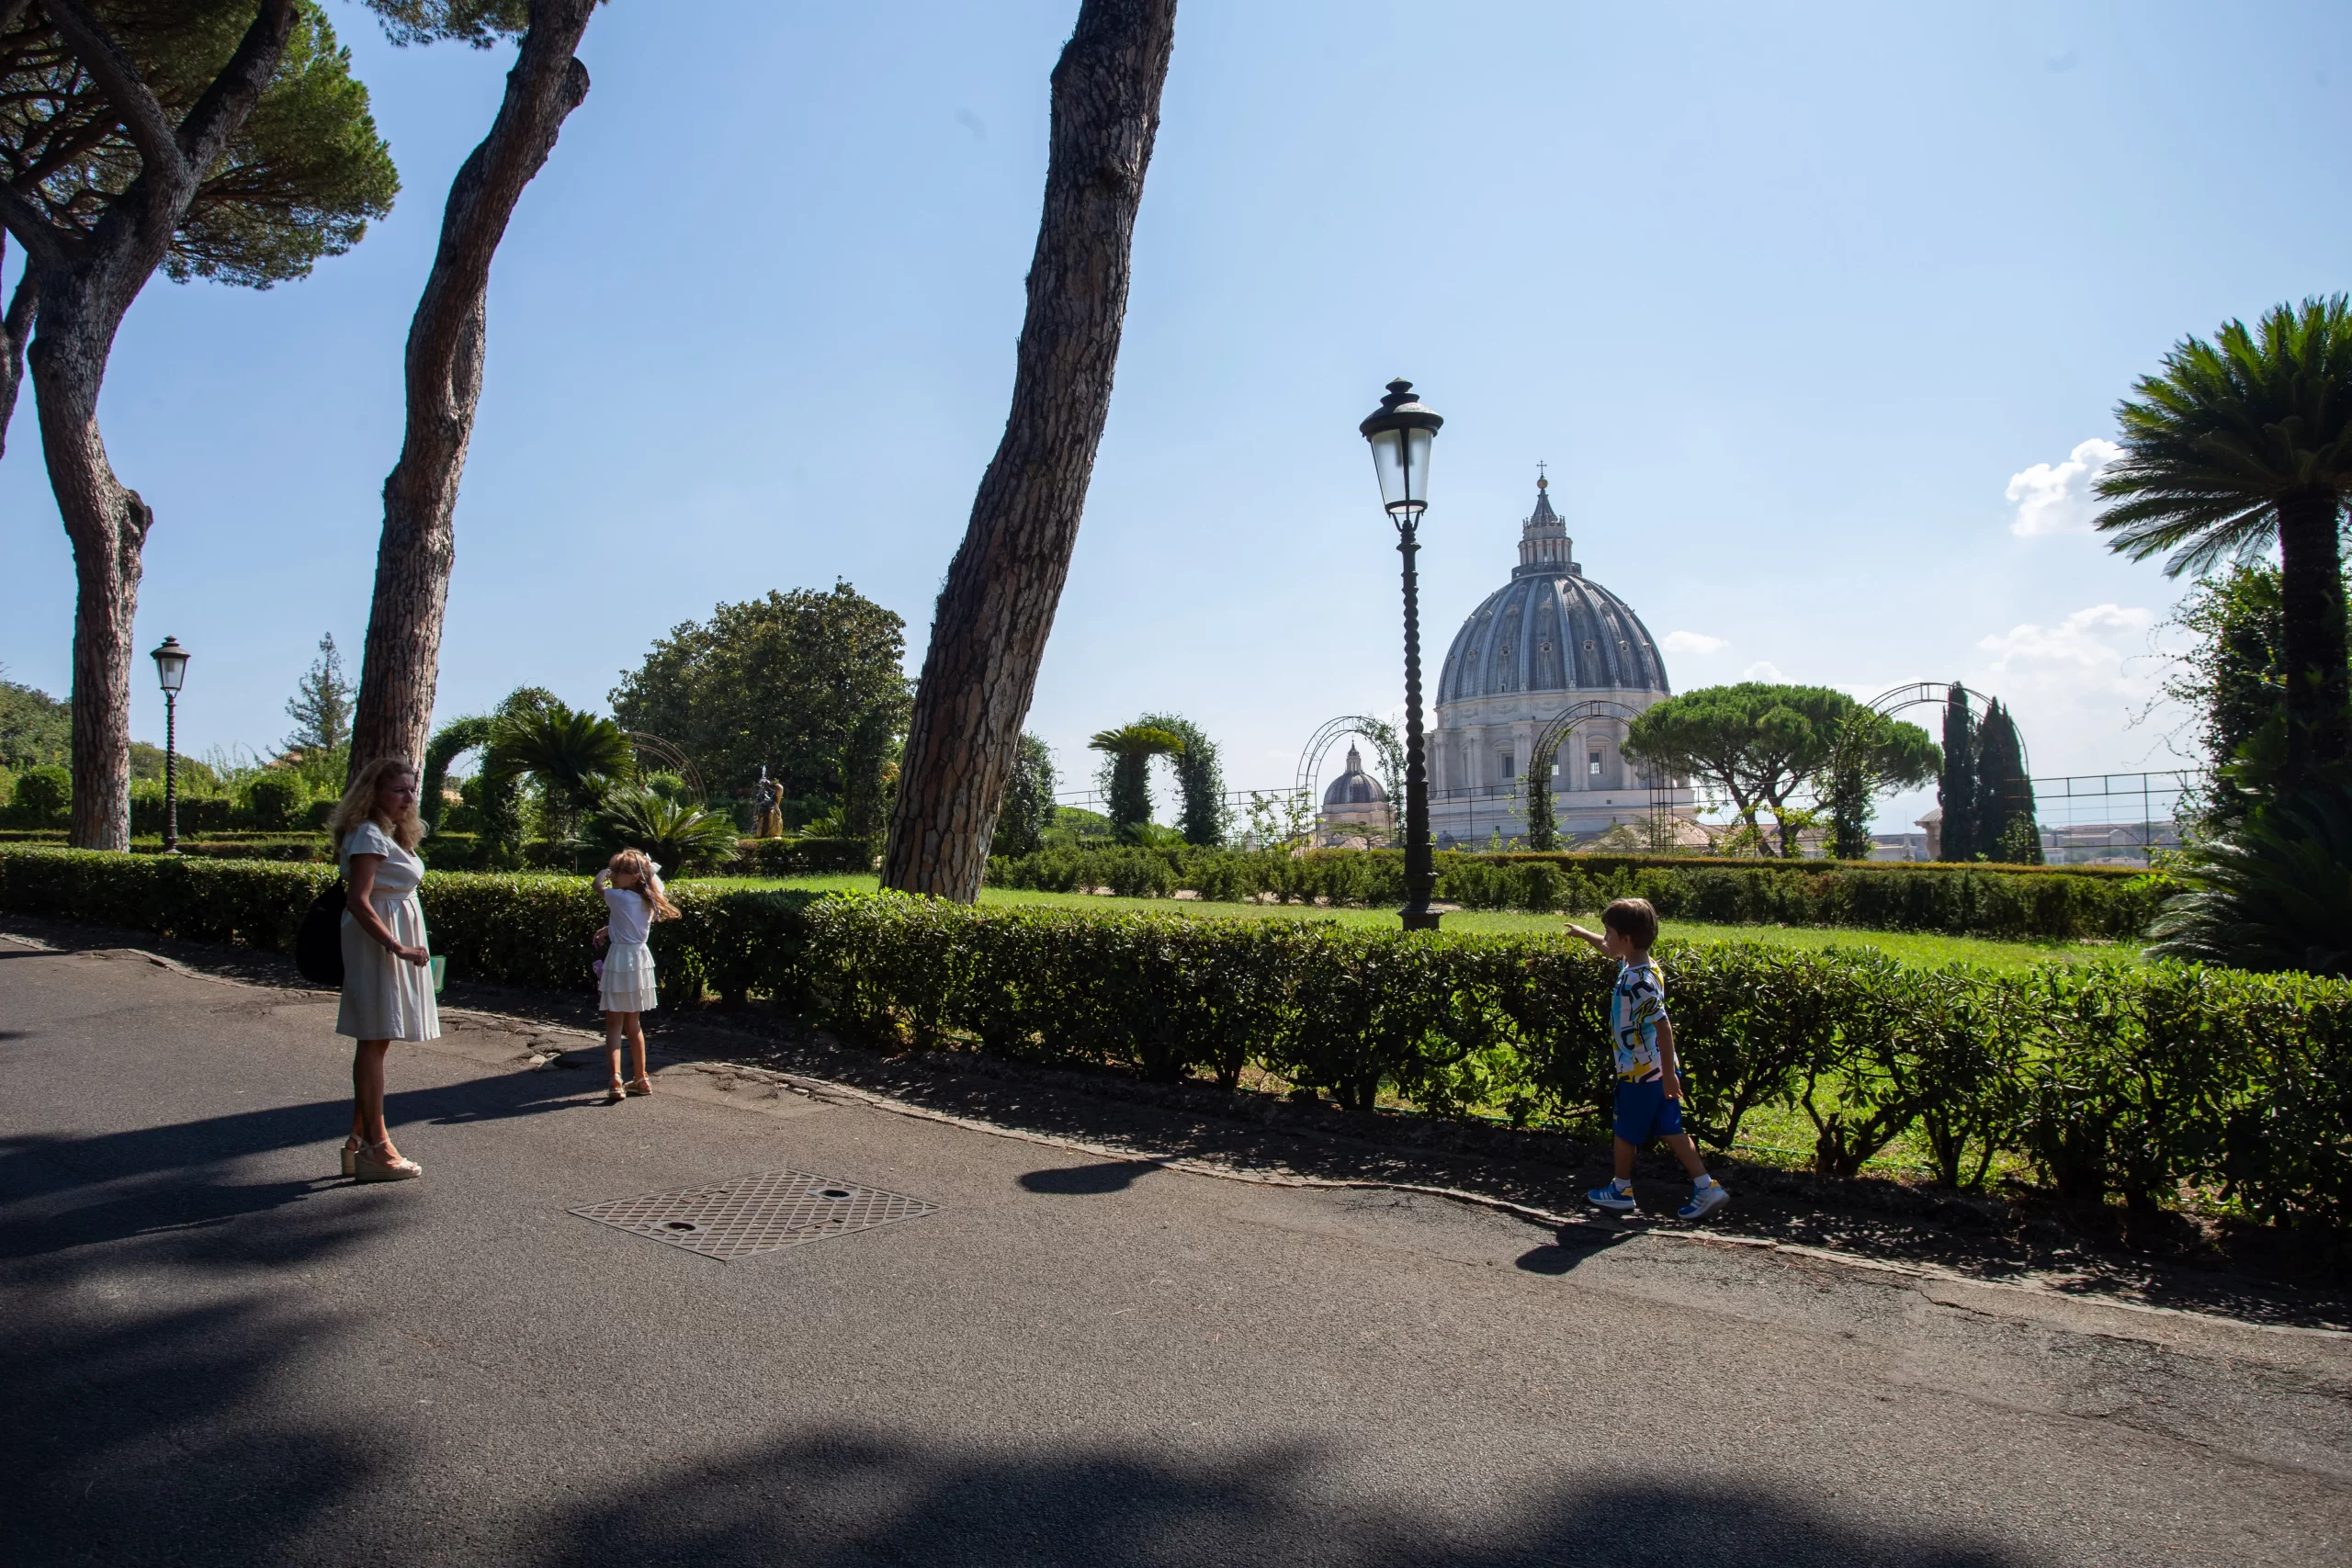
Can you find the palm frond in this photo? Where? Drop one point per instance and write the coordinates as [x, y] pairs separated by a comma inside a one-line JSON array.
[[2229, 427], [1138, 740], [2272, 894]]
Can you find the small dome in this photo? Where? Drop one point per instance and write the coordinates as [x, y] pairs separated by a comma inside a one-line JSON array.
[[1355, 787]]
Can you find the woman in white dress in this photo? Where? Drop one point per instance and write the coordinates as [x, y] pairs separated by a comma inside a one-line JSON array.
[[387, 981]]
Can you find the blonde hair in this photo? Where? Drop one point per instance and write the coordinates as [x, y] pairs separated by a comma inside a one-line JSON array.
[[359, 805], [648, 882]]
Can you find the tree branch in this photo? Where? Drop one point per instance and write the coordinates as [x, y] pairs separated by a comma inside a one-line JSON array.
[[142, 116], [32, 228], [225, 104]]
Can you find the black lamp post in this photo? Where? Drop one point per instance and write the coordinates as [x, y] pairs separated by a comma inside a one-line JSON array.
[[1401, 432], [171, 668]]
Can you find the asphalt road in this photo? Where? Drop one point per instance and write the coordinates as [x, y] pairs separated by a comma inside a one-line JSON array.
[[212, 1350]]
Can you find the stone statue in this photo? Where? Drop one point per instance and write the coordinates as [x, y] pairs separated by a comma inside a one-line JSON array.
[[769, 822]]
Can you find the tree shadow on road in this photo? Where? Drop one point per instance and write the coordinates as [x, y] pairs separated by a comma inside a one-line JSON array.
[[191, 1177], [847, 1498]]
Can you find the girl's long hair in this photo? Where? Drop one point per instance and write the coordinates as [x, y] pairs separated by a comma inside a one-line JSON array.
[[648, 882], [358, 804]]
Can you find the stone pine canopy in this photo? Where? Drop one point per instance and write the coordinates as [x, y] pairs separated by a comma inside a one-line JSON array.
[[1550, 628], [1354, 787]]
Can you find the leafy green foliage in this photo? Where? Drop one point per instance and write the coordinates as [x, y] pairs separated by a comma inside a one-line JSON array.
[[809, 685], [573, 757], [300, 180], [1126, 779], [680, 835], [1762, 743], [320, 705], [2233, 679], [2142, 1082], [36, 730], [2273, 893], [1956, 789], [476, 22], [2003, 814], [1873, 754], [1199, 776], [42, 796], [1027, 814], [2239, 443], [2006, 903]]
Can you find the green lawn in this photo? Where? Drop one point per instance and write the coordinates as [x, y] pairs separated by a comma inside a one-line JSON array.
[[1910, 947]]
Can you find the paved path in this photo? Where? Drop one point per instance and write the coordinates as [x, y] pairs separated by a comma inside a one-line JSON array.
[[216, 1352]]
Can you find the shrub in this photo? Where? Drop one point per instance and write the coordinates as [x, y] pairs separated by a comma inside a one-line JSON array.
[[2139, 1082], [273, 799], [42, 796]]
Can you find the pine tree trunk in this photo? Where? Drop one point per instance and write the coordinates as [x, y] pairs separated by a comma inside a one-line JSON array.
[[402, 663], [85, 284], [107, 525], [16, 327], [2319, 693], [997, 609]]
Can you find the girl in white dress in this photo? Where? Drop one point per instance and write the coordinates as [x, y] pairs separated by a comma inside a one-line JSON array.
[[387, 984], [634, 899]]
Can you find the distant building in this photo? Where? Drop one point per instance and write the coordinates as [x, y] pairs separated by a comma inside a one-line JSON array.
[[1356, 806], [1547, 639]]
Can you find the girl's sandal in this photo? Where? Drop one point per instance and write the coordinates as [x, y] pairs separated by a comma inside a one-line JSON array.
[[614, 1095], [640, 1085], [350, 1158]]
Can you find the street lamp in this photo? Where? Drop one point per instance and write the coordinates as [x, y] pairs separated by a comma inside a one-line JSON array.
[[171, 668], [1401, 432]]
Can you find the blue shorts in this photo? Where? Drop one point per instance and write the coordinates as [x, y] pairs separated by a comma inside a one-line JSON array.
[[1643, 1113]]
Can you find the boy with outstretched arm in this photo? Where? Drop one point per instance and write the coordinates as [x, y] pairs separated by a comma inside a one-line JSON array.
[[1650, 1080]]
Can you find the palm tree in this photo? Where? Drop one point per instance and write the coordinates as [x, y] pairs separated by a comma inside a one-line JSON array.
[[2240, 442], [575, 757], [1128, 792]]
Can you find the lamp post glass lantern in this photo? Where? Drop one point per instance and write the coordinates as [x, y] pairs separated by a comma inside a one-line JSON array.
[[1401, 431], [171, 670]]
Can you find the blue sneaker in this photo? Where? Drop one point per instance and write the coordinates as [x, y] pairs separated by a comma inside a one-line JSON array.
[[1703, 1202], [1616, 1199]]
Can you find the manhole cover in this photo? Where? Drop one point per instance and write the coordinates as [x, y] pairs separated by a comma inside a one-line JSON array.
[[759, 1213]]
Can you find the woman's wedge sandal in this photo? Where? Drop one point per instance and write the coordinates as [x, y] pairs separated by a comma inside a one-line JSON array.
[[370, 1166]]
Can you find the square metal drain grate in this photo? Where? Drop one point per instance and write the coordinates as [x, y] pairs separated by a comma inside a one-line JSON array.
[[755, 1214]]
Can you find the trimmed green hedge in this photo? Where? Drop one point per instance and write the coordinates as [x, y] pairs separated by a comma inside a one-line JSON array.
[[1957, 900], [2110, 1080]]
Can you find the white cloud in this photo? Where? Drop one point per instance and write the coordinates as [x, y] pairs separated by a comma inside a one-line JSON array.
[[2056, 498], [2079, 687], [1762, 669], [1696, 642]]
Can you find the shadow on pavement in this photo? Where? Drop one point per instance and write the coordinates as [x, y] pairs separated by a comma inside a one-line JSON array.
[[180, 1177], [851, 1498], [1575, 1244], [1115, 1176], [140, 1439]]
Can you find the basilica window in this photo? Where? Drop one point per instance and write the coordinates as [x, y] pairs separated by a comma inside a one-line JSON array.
[[1593, 765]]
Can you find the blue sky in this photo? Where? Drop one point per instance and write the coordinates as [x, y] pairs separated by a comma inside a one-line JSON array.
[[1816, 311]]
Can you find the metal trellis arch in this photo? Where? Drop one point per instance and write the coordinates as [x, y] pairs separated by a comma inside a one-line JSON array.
[[670, 758], [1933, 693], [1542, 832], [1384, 741]]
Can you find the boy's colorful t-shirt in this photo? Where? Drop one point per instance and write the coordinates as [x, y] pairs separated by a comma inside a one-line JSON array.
[[1634, 1010]]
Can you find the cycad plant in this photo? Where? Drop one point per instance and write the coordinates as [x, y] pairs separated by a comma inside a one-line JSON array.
[[2272, 893], [1128, 789], [2238, 444], [573, 757], [681, 835]]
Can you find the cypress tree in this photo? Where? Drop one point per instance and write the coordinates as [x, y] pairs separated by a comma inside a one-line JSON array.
[[1956, 790], [2003, 817]]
